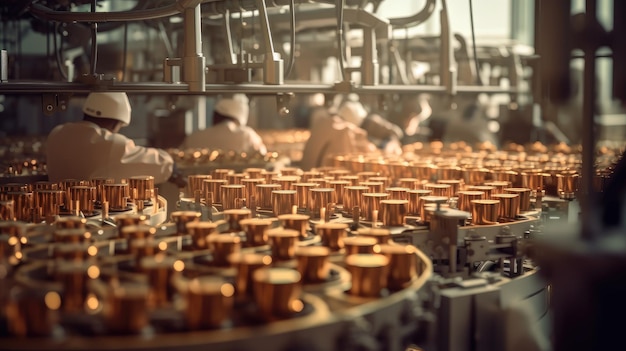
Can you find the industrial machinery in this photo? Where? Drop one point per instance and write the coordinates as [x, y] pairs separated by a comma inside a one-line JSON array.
[[447, 246]]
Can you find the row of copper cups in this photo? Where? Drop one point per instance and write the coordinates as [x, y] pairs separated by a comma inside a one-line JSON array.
[[44, 200]]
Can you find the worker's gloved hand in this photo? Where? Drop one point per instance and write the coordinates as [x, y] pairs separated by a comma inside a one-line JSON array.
[[178, 178]]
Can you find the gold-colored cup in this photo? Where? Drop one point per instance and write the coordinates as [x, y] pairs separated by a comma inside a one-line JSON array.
[[254, 173], [393, 212], [286, 181], [84, 197], [455, 185], [424, 201], [32, 312], [313, 263], [524, 197], [223, 245], [246, 264], [232, 195], [143, 187], [234, 216], [320, 198], [332, 234], [359, 245], [74, 277], [374, 187], [269, 176], [283, 243], [369, 274], [139, 231], [485, 211], [509, 205], [476, 176], [353, 179], [291, 171], [235, 178], [498, 186], [250, 185], [195, 182], [439, 189], [297, 222], [22, 204], [221, 173], [402, 264], [126, 219], [277, 291], [486, 189], [209, 302], [181, 218], [256, 230], [283, 201], [160, 269], [264, 195], [567, 184], [410, 183]]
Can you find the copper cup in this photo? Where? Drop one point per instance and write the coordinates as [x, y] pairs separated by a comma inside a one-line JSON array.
[[397, 193], [449, 173], [250, 185], [126, 308], [455, 185], [269, 176], [223, 245], [369, 274], [382, 235], [402, 264], [439, 189], [209, 302], [72, 235], [254, 173], [213, 186], [234, 216], [486, 189], [22, 204], [321, 182], [70, 222], [464, 202], [277, 291], [181, 218], [135, 232], [246, 264], [235, 178], [232, 196], [117, 196], [476, 176], [286, 181], [371, 203], [32, 311], [256, 230], [126, 219], [77, 252], [374, 187], [82, 198], [498, 186], [195, 183], [264, 195], [352, 198], [509, 205], [199, 231], [338, 173], [283, 201], [160, 269], [74, 277], [291, 171], [353, 179], [567, 184], [140, 248], [339, 186], [302, 194], [297, 222], [410, 183], [332, 234], [485, 211], [320, 198], [414, 203], [221, 173], [283, 243], [359, 244], [524, 197], [313, 263], [393, 212], [365, 175], [424, 201], [49, 202], [142, 187]]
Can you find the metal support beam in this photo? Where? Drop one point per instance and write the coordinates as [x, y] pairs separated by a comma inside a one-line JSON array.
[[193, 60]]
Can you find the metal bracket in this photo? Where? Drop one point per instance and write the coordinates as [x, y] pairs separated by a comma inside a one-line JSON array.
[[51, 103]]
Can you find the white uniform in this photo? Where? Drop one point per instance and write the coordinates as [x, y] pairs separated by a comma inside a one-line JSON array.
[[83, 150], [330, 136], [227, 135]]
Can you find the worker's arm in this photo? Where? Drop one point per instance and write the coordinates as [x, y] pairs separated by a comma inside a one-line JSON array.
[[140, 160]]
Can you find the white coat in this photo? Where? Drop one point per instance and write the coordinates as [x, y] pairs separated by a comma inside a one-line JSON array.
[[332, 136], [83, 150], [227, 135]]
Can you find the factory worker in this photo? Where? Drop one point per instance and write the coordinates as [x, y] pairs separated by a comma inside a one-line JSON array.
[[93, 148], [229, 130], [332, 135], [381, 132]]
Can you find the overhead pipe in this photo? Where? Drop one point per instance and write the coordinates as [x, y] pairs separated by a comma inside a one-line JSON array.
[[119, 16]]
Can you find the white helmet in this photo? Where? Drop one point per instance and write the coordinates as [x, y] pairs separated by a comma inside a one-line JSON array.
[[108, 105], [235, 107], [353, 112]]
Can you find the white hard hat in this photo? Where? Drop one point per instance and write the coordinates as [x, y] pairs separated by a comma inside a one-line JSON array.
[[108, 105], [353, 112], [235, 107]]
